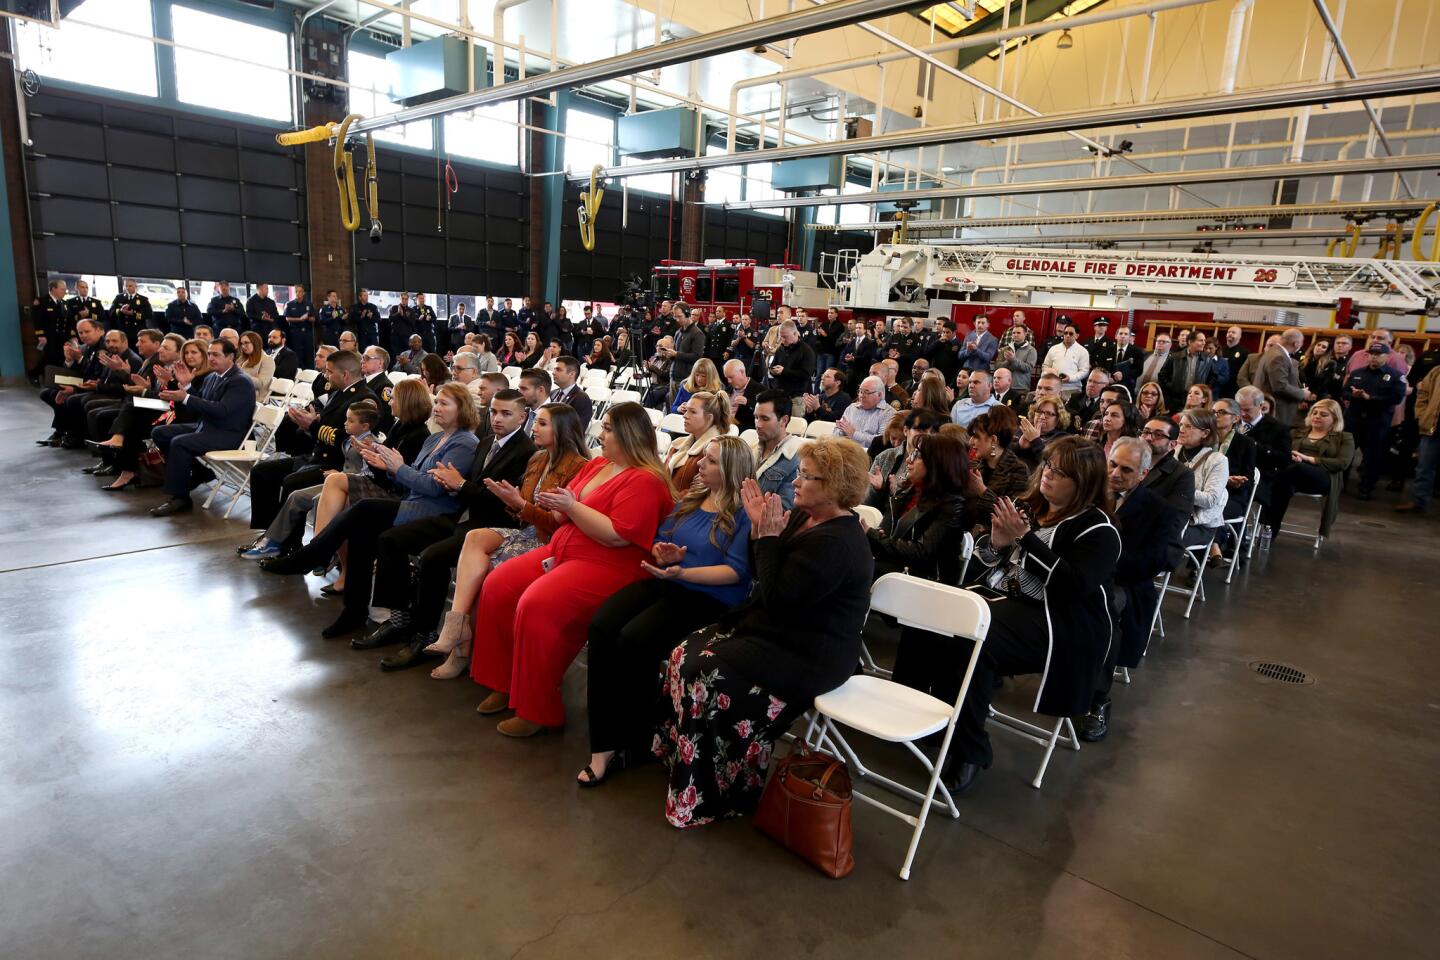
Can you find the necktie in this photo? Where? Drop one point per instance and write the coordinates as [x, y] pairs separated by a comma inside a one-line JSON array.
[[1245, 427], [490, 454]]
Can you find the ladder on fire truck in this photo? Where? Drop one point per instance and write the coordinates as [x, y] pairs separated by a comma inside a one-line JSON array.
[[892, 275]]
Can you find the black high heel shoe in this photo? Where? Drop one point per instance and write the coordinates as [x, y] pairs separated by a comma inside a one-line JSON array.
[[289, 564], [618, 761], [132, 483]]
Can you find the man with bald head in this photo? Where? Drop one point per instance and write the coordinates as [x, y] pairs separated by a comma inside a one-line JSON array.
[[868, 416], [1279, 376]]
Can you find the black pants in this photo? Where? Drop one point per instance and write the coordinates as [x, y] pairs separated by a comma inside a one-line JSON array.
[[358, 528], [1372, 436], [100, 419], [435, 542], [1016, 645], [271, 481], [1296, 478], [631, 635]]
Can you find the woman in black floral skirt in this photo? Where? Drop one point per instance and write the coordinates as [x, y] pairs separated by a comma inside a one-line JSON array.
[[734, 687]]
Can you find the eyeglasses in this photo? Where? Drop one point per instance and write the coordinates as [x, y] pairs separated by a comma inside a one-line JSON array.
[[1155, 434], [807, 477], [1050, 467]]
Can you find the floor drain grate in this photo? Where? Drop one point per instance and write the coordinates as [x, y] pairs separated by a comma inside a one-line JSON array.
[[1280, 671]]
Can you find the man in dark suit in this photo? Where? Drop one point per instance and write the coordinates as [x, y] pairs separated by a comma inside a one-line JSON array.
[[1003, 390], [567, 390], [1270, 436], [1168, 478], [436, 542], [1085, 405], [1149, 532], [373, 364], [980, 347], [273, 480], [1129, 360], [1184, 370], [487, 322], [225, 405], [287, 361], [857, 352]]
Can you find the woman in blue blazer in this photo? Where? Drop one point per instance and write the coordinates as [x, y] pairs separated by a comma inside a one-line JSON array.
[[359, 527]]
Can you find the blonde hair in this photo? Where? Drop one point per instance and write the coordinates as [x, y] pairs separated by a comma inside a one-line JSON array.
[[410, 402], [737, 464], [204, 355], [715, 405], [464, 402], [712, 376], [636, 435], [1327, 404], [842, 467], [1062, 416]]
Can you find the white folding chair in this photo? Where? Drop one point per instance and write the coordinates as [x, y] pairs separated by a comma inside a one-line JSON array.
[[1062, 734], [592, 432], [662, 442], [673, 423], [300, 394], [280, 389], [818, 428], [1240, 526], [624, 396], [871, 515], [1197, 556], [232, 467], [306, 376], [797, 426], [734, 431], [597, 378], [655, 417], [750, 437], [599, 396], [899, 714]]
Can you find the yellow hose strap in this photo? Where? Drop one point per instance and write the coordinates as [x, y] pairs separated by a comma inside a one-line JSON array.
[[345, 177], [1417, 242], [1344, 247], [590, 207], [295, 138]]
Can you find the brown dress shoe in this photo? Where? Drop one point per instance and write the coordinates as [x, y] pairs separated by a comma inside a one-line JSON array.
[[519, 727], [497, 702]]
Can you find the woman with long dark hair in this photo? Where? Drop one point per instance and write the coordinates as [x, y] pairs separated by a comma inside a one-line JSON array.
[[924, 537], [1044, 567]]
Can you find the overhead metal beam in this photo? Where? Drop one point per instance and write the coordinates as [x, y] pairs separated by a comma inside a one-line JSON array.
[[744, 36], [1176, 236], [1344, 53], [1267, 171], [1405, 84], [1364, 210]]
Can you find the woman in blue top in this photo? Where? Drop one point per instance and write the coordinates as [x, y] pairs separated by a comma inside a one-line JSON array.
[[701, 569]]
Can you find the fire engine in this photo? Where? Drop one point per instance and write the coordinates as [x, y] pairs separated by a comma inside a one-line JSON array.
[[741, 286]]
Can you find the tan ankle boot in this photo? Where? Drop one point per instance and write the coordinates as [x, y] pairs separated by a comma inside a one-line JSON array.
[[453, 632], [456, 664], [497, 702]]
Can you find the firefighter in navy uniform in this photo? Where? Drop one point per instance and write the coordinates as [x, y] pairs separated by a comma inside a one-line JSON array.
[[719, 335], [364, 321], [332, 319], [402, 326], [300, 317], [54, 323], [181, 315], [82, 306], [225, 310], [1371, 394], [428, 325], [130, 311], [1101, 348], [262, 311]]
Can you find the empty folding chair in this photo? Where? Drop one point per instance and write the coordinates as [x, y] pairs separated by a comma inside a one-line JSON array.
[[1198, 557], [280, 389], [872, 516], [662, 442], [592, 432], [750, 437], [818, 428], [673, 423], [899, 714], [306, 376], [624, 396], [300, 394], [797, 426], [655, 417], [599, 396], [232, 467]]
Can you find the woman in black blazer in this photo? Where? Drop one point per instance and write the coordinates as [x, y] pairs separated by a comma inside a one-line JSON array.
[[1046, 565], [1242, 455], [930, 517]]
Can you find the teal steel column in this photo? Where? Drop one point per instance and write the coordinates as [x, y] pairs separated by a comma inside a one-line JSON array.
[[805, 237], [552, 195], [164, 55], [12, 355]]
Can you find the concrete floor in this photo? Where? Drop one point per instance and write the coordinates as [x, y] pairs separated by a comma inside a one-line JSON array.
[[190, 771]]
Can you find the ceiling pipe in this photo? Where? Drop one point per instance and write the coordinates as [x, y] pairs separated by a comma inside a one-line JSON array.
[[1386, 85], [740, 37], [1269, 171], [1366, 210], [1344, 53], [978, 40]]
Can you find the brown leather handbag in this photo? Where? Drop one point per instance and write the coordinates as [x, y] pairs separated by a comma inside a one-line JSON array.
[[806, 808]]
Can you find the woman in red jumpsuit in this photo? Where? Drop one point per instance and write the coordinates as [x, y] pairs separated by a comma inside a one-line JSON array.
[[534, 610]]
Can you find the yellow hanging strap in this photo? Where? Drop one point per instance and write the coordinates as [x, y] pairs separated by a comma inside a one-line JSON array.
[[344, 170], [589, 207], [1390, 243], [295, 138], [1417, 241], [1344, 247], [345, 177]]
